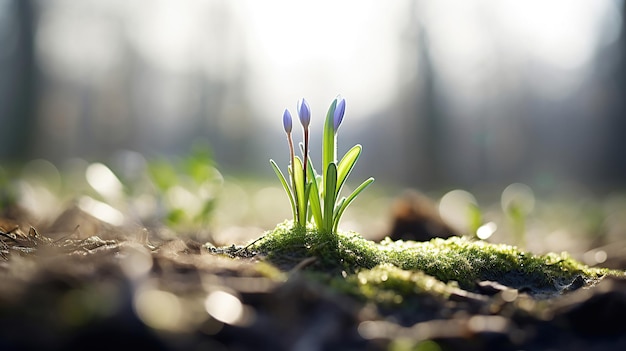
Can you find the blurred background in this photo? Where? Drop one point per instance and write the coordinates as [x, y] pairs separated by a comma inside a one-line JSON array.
[[476, 94]]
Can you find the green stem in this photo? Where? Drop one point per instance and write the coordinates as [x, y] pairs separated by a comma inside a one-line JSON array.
[[293, 180], [329, 198], [306, 152], [329, 141]]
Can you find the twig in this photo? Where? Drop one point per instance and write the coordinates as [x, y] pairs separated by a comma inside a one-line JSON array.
[[252, 243], [304, 263]]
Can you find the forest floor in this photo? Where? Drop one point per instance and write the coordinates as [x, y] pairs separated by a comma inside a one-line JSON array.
[[91, 286]]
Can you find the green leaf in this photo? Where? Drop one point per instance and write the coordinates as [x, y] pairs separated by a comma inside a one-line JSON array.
[[346, 165], [175, 217], [307, 193], [330, 196], [283, 181], [199, 165], [301, 201], [349, 200], [338, 206], [205, 213], [314, 196], [475, 217], [163, 174], [329, 141]]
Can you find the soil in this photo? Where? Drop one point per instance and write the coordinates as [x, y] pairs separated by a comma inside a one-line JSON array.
[[79, 284]]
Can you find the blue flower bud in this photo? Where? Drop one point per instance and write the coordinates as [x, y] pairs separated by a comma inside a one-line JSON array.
[[287, 121], [304, 112], [340, 109]]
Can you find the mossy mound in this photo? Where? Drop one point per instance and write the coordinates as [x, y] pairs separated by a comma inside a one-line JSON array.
[[409, 267]]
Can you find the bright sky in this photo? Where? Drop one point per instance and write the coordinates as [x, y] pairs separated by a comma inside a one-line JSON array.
[[472, 40], [320, 48], [317, 49]]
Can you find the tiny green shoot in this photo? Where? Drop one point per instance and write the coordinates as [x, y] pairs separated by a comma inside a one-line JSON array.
[[518, 201]]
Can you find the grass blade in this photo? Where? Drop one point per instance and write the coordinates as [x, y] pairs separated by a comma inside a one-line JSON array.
[[349, 200], [329, 141], [283, 181], [301, 201], [346, 165], [329, 197], [338, 206], [314, 196]]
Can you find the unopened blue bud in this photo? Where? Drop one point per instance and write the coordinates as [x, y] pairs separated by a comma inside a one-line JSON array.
[[287, 121], [340, 109], [304, 112]]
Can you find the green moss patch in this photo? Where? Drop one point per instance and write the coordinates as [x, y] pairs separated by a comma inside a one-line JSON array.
[[411, 267]]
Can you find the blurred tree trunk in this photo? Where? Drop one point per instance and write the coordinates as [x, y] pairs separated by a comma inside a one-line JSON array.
[[18, 76], [422, 120], [616, 168]]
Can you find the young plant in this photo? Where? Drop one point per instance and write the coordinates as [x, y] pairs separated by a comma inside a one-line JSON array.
[[518, 201], [314, 195]]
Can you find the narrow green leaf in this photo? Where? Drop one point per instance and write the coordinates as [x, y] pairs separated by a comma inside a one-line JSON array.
[[475, 217], [307, 194], [349, 200], [329, 141], [283, 181], [338, 206], [330, 196], [314, 196], [346, 165], [301, 202]]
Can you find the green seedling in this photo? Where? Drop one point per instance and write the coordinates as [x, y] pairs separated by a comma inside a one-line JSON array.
[[518, 202], [475, 219], [316, 196], [186, 190]]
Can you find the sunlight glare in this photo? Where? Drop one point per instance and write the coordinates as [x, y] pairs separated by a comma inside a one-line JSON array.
[[486, 230], [101, 211], [159, 309], [454, 208], [518, 197], [37, 199], [104, 181], [224, 307], [594, 257], [136, 260], [179, 197], [319, 49]]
